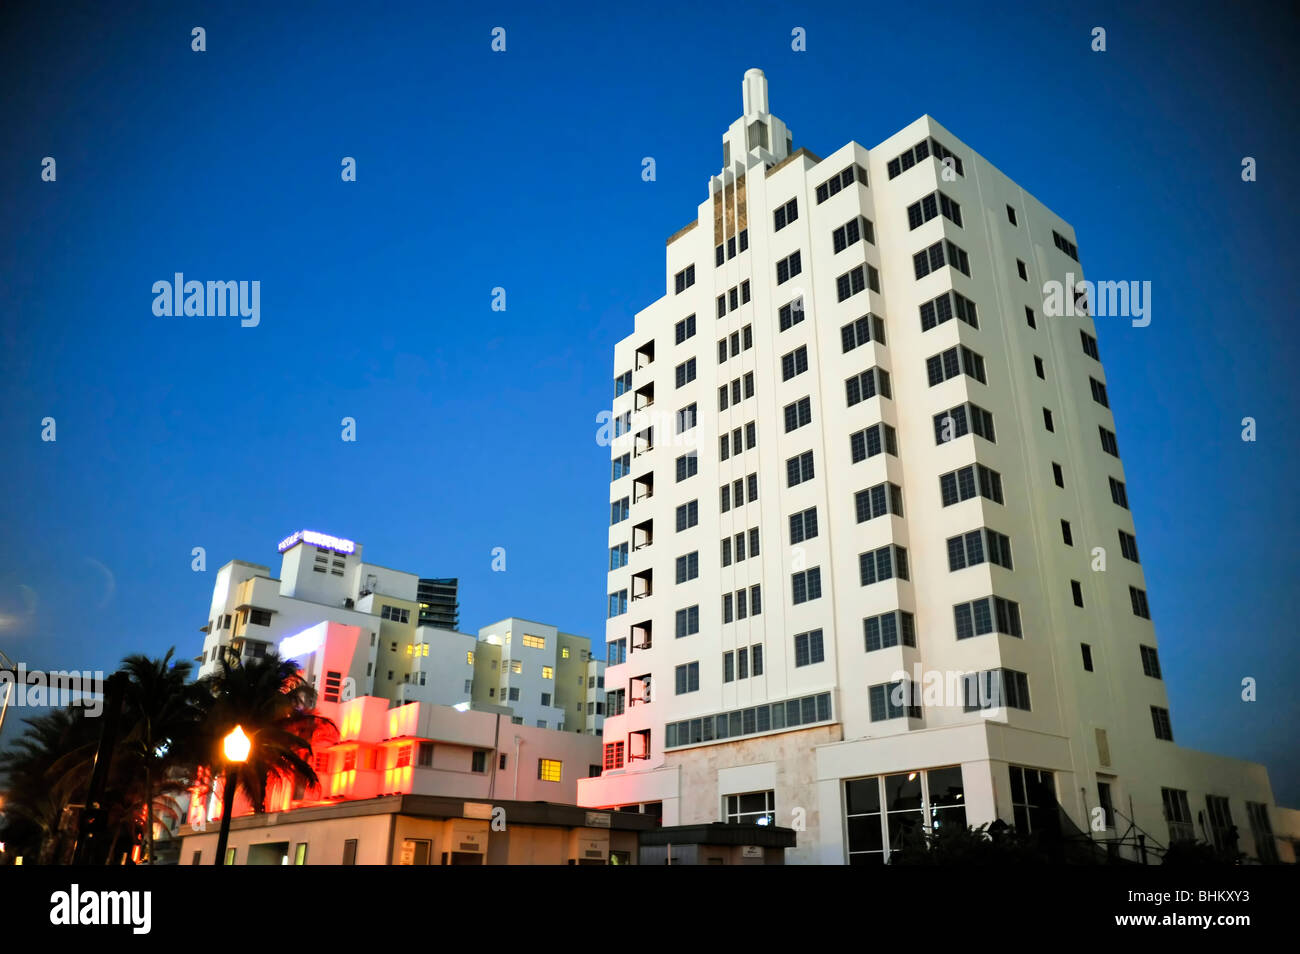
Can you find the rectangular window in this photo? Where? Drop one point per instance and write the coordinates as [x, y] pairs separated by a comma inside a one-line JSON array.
[[973, 548], [1150, 661], [965, 483], [866, 385], [988, 615], [841, 180], [877, 501], [687, 678], [1160, 722], [798, 414], [1108, 442], [861, 331], [799, 469], [806, 585], [803, 526], [685, 329], [852, 232], [1087, 656], [1128, 546], [1089, 345], [685, 372], [1118, 493], [1099, 392], [684, 279], [934, 204], [855, 280], [871, 441], [883, 632], [794, 363], [618, 556], [1139, 600], [937, 256], [1065, 245], [785, 214], [894, 700], [688, 465], [947, 306], [686, 418], [549, 770], [790, 314], [688, 566], [961, 420], [808, 648], [618, 512], [617, 603], [996, 688], [688, 515], [885, 563], [788, 267], [955, 361], [688, 621]]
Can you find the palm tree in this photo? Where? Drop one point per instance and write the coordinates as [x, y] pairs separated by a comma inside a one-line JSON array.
[[163, 715], [273, 703], [46, 768]]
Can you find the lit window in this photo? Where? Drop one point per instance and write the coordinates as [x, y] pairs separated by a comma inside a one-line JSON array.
[[548, 770], [534, 642], [548, 672], [516, 666], [564, 652], [469, 657]]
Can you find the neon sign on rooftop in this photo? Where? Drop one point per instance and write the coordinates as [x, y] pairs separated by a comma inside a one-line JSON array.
[[316, 538]]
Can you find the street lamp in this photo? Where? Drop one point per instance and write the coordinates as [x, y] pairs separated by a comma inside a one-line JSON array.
[[235, 747]]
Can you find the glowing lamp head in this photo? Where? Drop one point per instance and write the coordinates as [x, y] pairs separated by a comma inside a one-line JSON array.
[[236, 745]]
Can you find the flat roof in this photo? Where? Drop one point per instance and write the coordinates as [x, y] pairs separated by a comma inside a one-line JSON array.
[[552, 814]]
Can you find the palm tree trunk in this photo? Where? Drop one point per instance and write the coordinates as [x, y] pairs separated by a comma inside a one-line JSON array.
[[148, 796]]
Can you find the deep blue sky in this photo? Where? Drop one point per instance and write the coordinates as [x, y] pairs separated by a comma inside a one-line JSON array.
[[522, 169]]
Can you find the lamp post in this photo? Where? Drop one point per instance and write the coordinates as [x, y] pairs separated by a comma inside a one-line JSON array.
[[235, 747]]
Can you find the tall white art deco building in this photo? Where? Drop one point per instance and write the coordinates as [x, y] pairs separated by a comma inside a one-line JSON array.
[[848, 445]]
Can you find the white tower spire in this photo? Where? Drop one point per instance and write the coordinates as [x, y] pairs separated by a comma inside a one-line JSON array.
[[754, 89], [757, 136]]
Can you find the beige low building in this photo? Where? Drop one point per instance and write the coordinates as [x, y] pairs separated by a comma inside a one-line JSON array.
[[425, 830]]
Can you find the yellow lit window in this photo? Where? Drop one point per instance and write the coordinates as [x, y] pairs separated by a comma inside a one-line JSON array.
[[564, 653], [534, 642], [409, 649], [425, 647], [548, 672], [516, 666], [469, 657], [548, 770], [507, 639]]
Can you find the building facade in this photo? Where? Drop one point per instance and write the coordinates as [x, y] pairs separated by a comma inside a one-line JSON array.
[[872, 563], [439, 602], [546, 679]]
